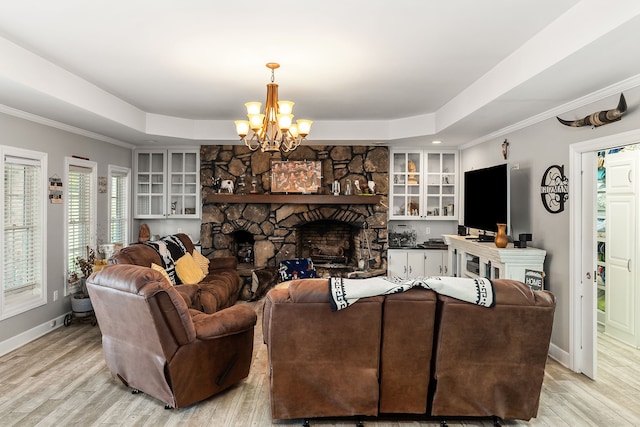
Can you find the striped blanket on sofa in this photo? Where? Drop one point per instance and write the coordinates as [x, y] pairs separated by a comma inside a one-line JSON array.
[[170, 249], [345, 292]]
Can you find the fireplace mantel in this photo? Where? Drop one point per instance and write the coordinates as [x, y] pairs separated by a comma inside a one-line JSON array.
[[297, 199]]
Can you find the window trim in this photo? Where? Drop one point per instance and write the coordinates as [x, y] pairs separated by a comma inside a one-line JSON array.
[[122, 171], [31, 303], [69, 162]]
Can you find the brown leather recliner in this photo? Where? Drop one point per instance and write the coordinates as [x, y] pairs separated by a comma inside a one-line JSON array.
[[154, 343]]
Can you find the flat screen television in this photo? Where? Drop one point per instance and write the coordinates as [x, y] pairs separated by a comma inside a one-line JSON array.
[[486, 198]]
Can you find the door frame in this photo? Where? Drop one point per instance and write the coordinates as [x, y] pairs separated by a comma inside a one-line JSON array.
[[582, 318]]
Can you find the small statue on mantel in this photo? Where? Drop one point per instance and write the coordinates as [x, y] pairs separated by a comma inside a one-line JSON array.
[[216, 183], [254, 184], [372, 187], [356, 184]]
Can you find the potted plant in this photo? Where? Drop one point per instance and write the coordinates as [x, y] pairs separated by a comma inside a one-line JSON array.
[[80, 302]]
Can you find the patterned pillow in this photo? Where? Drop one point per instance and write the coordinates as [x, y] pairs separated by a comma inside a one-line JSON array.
[[298, 268]]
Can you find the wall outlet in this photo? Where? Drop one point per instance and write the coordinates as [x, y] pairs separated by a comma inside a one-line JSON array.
[[427, 230], [55, 295]]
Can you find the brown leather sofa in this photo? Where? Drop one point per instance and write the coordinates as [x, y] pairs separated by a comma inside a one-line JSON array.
[[409, 353], [219, 289], [154, 343]]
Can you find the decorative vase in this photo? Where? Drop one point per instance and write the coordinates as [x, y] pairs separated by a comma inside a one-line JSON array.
[[501, 239]]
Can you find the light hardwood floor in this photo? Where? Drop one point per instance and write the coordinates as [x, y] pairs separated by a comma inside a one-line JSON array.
[[61, 380]]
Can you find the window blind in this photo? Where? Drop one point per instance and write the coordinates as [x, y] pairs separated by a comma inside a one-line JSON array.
[[119, 208], [22, 228], [80, 214]]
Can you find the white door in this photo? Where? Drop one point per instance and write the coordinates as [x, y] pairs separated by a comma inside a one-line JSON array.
[[620, 315], [620, 296], [416, 263]]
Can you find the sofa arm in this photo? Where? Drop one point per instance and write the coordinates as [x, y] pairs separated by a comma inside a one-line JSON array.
[[229, 321], [223, 263]]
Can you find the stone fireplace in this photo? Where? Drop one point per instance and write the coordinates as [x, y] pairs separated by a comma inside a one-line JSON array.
[[264, 229]]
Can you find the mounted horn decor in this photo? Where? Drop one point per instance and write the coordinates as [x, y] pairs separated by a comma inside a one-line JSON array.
[[601, 117]]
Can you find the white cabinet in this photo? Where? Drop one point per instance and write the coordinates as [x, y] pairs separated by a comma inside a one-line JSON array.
[[423, 184], [437, 263], [469, 258], [622, 298], [414, 263], [167, 183]]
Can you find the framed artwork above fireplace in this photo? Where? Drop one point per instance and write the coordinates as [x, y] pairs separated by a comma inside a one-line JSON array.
[[296, 176]]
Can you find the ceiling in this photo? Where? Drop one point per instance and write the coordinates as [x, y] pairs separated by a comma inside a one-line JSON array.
[[146, 72]]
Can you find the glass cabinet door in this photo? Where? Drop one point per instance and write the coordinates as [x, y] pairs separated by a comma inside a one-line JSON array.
[[167, 183], [184, 174], [441, 175], [406, 179], [423, 185], [150, 184]]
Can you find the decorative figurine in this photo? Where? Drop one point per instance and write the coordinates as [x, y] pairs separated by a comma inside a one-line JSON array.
[[372, 187], [216, 184], [227, 185]]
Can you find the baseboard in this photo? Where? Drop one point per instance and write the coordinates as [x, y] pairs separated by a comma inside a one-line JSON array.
[[559, 355], [26, 337]]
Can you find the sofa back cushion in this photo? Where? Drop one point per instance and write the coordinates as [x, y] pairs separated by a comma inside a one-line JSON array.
[[491, 361], [405, 354], [322, 363]]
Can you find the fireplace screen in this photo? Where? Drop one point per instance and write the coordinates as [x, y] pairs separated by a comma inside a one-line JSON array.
[[296, 176]]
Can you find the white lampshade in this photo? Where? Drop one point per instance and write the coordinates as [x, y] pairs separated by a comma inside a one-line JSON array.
[[284, 121], [285, 107], [304, 127], [293, 131], [242, 127], [253, 107], [256, 120]]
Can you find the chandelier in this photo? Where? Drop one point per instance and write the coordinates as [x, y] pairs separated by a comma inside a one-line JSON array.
[[274, 129]]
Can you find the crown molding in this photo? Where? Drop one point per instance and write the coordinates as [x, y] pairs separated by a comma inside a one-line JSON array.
[[614, 89], [67, 128]]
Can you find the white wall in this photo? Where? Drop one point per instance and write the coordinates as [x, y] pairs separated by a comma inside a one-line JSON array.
[[58, 144], [535, 148]]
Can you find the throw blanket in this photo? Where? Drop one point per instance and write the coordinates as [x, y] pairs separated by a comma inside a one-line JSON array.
[[344, 292], [170, 249]]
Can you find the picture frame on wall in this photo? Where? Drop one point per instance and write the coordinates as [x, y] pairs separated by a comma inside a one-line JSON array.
[[296, 176]]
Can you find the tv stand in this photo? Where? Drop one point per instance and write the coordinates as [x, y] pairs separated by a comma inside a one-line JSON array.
[[469, 258]]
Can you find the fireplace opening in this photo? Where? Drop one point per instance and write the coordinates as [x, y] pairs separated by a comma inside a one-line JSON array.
[[243, 246], [332, 246]]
